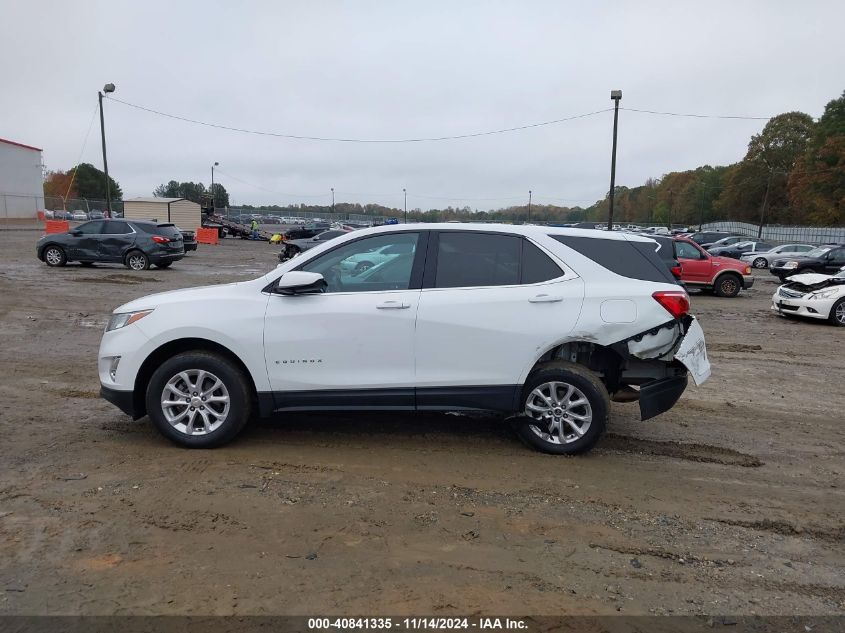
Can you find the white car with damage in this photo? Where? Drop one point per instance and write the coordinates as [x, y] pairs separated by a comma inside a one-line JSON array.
[[544, 325], [813, 295]]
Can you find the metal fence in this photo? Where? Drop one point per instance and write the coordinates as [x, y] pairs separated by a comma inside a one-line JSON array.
[[780, 233], [303, 215]]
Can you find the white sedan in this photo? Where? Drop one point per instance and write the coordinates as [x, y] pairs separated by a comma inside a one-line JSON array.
[[764, 259], [814, 296]]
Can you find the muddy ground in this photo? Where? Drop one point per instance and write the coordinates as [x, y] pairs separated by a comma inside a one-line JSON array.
[[731, 503]]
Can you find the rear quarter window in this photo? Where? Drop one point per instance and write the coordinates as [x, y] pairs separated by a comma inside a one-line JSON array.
[[634, 259]]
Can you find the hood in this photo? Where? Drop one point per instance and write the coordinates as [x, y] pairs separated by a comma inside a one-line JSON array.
[[809, 279], [186, 294]]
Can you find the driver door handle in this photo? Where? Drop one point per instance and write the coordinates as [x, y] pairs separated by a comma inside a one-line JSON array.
[[393, 305], [544, 298]]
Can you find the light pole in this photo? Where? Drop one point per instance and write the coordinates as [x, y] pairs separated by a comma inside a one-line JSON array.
[[332, 201], [213, 205], [405, 191], [107, 89], [529, 206], [616, 96]]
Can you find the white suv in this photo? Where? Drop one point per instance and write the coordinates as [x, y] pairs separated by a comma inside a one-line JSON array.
[[543, 324]]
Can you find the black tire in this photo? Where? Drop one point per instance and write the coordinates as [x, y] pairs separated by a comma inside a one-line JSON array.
[[164, 265], [760, 262], [143, 262], [237, 386], [54, 256], [837, 313], [86, 264], [581, 379], [292, 251], [728, 285]]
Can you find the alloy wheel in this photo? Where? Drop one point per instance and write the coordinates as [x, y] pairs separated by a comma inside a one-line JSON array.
[[562, 412], [137, 262], [839, 315], [195, 402], [760, 262], [53, 256]]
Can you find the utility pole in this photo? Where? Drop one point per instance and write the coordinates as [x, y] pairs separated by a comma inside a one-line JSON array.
[[107, 88], [213, 204], [332, 201], [529, 206], [763, 206], [405, 191], [616, 96]]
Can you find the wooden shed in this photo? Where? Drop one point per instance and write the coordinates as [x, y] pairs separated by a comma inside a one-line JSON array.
[[182, 212]]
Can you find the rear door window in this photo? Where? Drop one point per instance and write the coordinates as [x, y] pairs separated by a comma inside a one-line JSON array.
[[91, 228], [466, 259], [116, 227]]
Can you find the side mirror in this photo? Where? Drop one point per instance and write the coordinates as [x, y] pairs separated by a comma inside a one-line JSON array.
[[298, 282], [76, 232]]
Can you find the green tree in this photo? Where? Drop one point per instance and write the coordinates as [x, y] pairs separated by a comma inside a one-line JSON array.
[[193, 191], [90, 183]]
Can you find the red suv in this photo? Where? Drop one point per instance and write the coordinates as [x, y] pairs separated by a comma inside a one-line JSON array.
[[699, 269]]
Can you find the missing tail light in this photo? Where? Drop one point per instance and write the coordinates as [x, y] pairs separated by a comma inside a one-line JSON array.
[[158, 239], [676, 302]]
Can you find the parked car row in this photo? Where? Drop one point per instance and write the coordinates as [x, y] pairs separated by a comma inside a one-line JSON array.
[[75, 216]]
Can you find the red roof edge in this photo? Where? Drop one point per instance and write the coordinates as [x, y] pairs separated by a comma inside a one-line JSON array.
[[37, 149]]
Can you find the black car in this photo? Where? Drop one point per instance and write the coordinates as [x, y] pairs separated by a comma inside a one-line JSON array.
[[134, 243], [739, 249], [666, 252], [301, 232], [189, 239], [826, 260]]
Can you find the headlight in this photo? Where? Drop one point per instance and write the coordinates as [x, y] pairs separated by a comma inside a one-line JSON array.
[[748, 270], [791, 265], [122, 319], [824, 294]]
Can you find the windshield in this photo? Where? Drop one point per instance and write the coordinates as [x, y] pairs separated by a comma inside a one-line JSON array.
[[818, 252]]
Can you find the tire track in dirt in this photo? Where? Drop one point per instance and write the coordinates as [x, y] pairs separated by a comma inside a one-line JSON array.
[[678, 450]]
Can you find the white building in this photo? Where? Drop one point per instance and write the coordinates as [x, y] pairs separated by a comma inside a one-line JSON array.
[[21, 180]]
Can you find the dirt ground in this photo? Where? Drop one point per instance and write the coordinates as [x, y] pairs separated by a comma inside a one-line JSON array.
[[731, 503]]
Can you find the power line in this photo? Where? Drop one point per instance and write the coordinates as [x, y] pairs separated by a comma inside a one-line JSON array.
[[359, 140], [280, 193], [700, 116]]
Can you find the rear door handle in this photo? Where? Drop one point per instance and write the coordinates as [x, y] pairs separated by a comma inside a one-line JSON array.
[[544, 298], [393, 305]]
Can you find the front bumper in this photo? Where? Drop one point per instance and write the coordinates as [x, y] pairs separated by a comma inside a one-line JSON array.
[[123, 400], [747, 281], [813, 309]]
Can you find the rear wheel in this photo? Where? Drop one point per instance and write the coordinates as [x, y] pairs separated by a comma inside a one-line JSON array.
[[55, 256], [199, 399], [837, 313], [136, 260], [727, 286], [565, 409], [760, 262]]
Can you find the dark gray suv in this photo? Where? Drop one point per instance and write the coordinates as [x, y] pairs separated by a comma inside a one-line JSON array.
[[134, 243]]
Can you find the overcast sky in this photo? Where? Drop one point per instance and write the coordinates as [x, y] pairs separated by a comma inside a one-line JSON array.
[[391, 69]]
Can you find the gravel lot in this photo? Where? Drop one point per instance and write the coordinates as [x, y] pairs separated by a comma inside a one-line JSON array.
[[731, 503]]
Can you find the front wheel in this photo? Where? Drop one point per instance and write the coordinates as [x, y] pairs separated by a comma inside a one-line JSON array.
[[728, 286], [199, 399], [760, 262], [55, 256], [837, 313], [565, 409]]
